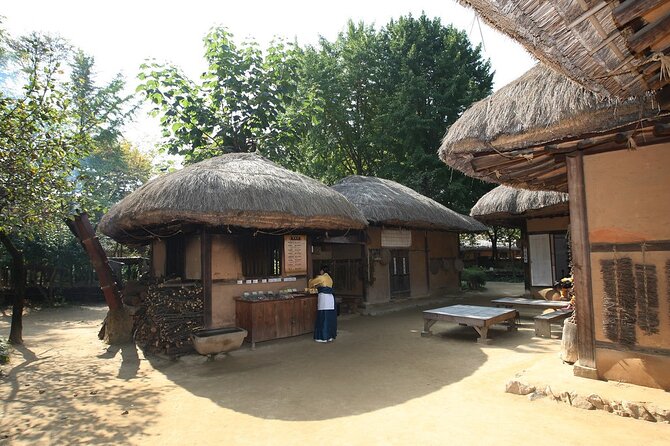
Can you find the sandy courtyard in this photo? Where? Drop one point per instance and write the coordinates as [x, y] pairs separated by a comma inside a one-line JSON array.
[[379, 383]]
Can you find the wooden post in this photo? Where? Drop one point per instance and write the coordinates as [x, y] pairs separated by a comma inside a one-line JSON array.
[[206, 275], [365, 251], [525, 257], [425, 245], [581, 259]]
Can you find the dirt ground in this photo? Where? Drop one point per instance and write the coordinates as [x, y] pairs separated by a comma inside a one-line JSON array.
[[379, 383]]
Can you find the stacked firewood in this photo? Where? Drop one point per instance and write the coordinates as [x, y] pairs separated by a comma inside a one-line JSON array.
[[167, 316]]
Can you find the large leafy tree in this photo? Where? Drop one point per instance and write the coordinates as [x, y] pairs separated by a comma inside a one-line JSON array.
[[233, 107], [46, 130], [371, 102], [386, 98], [38, 152]]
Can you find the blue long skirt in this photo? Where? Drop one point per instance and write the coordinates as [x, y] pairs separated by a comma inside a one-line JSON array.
[[326, 325]]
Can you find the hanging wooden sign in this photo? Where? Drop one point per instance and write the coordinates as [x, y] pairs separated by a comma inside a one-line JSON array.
[[295, 254]]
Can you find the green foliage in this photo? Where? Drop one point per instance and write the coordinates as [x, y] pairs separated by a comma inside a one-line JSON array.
[[97, 112], [380, 102], [39, 149], [234, 107], [474, 278], [109, 173], [372, 102], [4, 351]]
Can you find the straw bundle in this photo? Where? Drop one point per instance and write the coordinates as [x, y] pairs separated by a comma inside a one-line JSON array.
[[385, 202], [243, 189], [509, 203]]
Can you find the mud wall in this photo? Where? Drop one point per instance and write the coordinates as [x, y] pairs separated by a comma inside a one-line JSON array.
[[629, 218]]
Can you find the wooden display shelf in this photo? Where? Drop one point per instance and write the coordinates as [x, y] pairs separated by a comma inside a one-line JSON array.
[[274, 319]]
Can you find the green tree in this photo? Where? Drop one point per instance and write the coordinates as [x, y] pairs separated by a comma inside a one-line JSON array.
[[234, 106], [38, 151], [110, 172], [46, 130], [369, 103], [386, 98], [434, 75]]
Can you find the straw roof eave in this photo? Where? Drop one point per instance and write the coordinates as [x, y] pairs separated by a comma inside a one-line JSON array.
[[506, 137], [239, 190], [595, 43], [510, 205], [387, 203]]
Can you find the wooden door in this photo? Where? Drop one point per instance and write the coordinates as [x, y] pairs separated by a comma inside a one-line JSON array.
[[399, 272], [541, 273]]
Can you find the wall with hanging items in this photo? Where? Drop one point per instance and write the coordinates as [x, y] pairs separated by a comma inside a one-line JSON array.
[[629, 233]]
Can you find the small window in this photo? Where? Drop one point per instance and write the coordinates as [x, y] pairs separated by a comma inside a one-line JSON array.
[[174, 256], [261, 256]]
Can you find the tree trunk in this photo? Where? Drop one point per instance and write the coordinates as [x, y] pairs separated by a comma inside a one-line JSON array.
[[493, 235], [19, 285]]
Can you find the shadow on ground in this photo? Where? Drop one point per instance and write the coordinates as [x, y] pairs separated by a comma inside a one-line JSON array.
[[375, 363], [56, 393]]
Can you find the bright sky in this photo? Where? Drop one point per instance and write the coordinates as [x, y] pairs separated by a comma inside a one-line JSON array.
[[122, 34]]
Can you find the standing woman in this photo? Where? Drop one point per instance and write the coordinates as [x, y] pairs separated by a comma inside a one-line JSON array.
[[325, 329]]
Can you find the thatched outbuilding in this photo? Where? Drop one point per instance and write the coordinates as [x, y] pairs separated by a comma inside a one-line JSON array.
[[385, 202], [611, 153], [239, 224], [507, 206], [544, 220], [243, 190], [410, 248]]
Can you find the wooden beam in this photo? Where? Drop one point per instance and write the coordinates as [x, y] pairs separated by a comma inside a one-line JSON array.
[[630, 10], [206, 275], [495, 161], [581, 259], [587, 14], [546, 165], [651, 245], [633, 348], [649, 35]]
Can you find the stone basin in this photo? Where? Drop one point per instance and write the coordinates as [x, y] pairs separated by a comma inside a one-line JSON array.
[[210, 341]]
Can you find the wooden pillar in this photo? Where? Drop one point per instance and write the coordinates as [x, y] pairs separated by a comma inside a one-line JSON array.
[[425, 245], [365, 251], [206, 275], [581, 258], [525, 257], [310, 260]]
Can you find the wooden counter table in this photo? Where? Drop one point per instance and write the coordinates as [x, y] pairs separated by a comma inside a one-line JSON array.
[[276, 318]]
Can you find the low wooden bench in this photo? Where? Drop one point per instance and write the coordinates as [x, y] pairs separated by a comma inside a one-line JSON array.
[[479, 318], [543, 322]]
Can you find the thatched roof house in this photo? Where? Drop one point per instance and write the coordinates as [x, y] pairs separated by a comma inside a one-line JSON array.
[[385, 202], [243, 190], [508, 204], [519, 135], [612, 47]]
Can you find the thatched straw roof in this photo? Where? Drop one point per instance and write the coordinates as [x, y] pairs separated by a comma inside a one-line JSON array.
[[508, 204], [385, 202], [243, 190], [610, 48], [541, 108]]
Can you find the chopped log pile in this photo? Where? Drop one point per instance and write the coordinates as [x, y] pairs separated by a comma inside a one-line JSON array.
[[167, 315]]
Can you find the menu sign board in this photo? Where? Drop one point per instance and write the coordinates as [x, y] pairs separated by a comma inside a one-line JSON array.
[[295, 254]]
